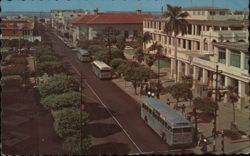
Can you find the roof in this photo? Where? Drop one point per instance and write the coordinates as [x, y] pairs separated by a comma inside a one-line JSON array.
[[102, 65], [16, 24], [83, 52], [172, 116], [240, 46], [204, 8], [112, 18]]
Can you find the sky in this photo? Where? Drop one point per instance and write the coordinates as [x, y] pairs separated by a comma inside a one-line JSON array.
[[115, 5]]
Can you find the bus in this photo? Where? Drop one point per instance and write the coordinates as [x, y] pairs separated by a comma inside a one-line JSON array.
[[83, 55], [102, 70], [168, 123]]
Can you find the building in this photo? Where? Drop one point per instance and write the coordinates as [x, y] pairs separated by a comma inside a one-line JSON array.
[[90, 25], [61, 20], [21, 28], [219, 40]]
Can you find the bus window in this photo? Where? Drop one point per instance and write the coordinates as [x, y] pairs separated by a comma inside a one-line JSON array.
[[177, 130], [188, 129]]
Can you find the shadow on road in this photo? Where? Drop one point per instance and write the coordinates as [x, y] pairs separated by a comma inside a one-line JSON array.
[[108, 148], [101, 130], [96, 111]]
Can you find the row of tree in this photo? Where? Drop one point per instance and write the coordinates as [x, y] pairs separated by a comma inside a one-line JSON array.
[[46, 61], [60, 94]]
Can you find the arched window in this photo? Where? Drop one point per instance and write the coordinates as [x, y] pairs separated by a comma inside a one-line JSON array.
[[214, 41], [205, 44]]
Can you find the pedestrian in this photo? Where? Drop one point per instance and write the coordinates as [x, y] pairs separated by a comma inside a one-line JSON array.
[[183, 108], [175, 106], [168, 102]]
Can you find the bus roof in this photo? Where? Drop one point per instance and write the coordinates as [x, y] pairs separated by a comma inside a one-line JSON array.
[[101, 65], [173, 117], [83, 52]]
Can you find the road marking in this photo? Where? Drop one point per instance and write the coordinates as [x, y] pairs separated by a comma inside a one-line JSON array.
[[92, 90]]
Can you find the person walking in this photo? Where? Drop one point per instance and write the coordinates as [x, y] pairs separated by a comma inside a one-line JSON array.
[[168, 102], [183, 108]]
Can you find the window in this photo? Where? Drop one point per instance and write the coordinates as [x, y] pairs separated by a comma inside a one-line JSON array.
[[203, 12], [235, 59], [159, 25], [246, 66], [169, 41], [194, 12], [222, 55], [198, 12]]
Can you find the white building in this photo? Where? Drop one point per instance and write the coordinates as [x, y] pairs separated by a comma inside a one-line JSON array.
[[61, 19], [90, 25], [200, 50]]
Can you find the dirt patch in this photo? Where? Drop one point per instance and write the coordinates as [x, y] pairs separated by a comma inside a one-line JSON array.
[[100, 130], [96, 112]]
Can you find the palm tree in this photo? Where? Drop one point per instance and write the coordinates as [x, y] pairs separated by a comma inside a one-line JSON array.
[[146, 38], [233, 97], [175, 25], [158, 47]]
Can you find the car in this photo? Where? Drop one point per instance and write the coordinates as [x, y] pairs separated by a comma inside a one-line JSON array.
[[128, 47]]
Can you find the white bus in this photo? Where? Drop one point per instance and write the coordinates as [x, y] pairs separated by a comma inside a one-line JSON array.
[[168, 123], [83, 55], [102, 70]]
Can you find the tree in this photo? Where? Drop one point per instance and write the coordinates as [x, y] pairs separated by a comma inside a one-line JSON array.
[[158, 55], [67, 121], [116, 62], [47, 57], [104, 55], [120, 42], [49, 67], [188, 80], [233, 97], [96, 48], [136, 75], [206, 104], [175, 25], [149, 59], [180, 91], [60, 101], [144, 39], [139, 55], [58, 84]]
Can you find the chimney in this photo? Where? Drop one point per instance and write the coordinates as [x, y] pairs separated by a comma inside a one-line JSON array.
[[138, 11]]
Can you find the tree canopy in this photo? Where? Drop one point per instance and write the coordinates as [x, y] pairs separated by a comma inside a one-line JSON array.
[[67, 121], [206, 104], [58, 84], [64, 100]]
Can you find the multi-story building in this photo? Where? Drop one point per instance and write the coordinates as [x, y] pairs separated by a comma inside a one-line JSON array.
[[214, 37], [129, 24], [22, 28], [61, 20]]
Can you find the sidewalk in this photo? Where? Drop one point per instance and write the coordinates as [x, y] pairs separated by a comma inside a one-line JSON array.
[[224, 119]]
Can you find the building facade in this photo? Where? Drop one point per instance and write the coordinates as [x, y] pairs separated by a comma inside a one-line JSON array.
[[90, 25], [200, 50], [22, 28]]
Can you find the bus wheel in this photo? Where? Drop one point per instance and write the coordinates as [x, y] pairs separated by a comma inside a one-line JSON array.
[[146, 119]]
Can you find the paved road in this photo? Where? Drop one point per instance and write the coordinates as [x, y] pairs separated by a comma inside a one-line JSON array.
[[125, 109]]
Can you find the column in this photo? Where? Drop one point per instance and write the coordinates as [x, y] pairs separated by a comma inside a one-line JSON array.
[[187, 69], [192, 29], [242, 60], [196, 29], [182, 43], [179, 76], [228, 82], [186, 44], [241, 90], [204, 76], [173, 68], [195, 76], [228, 53]]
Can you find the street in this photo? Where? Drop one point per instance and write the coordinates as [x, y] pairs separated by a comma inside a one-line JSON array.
[[126, 111]]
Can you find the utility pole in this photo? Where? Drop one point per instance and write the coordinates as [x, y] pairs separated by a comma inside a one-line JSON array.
[[216, 105], [81, 89], [109, 44]]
